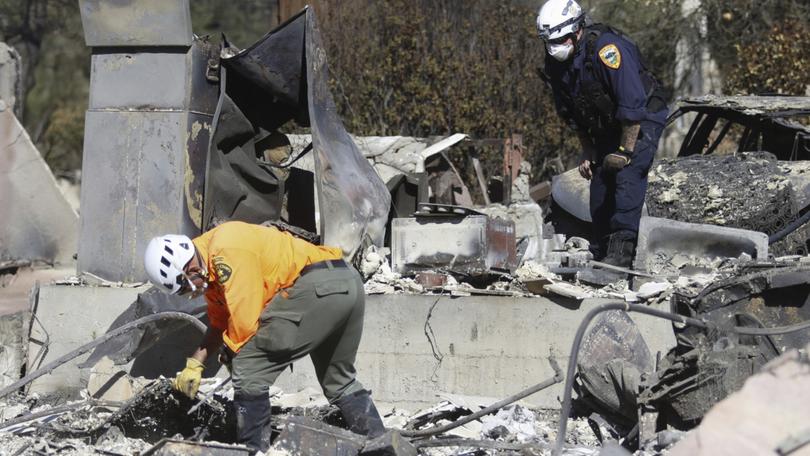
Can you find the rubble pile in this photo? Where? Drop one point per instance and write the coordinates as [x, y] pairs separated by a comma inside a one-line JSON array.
[[682, 263], [401, 212], [33, 425], [717, 190], [682, 274], [678, 389], [156, 415]]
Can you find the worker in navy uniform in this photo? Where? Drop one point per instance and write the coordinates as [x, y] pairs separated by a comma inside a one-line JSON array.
[[617, 108]]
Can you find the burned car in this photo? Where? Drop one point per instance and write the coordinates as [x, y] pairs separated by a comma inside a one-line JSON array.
[[741, 165], [731, 124]]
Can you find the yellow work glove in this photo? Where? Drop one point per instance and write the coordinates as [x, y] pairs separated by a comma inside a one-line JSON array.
[[188, 380]]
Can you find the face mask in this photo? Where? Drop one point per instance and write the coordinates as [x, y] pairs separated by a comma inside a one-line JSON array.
[[561, 52]]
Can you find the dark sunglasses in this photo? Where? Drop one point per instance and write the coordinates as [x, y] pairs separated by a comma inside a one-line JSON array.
[[558, 41], [185, 286]]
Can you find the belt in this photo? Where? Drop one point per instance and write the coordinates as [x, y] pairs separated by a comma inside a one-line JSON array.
[[328, 264]]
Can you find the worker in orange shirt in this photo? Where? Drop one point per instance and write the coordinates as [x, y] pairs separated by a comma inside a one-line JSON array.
[[271, 298]]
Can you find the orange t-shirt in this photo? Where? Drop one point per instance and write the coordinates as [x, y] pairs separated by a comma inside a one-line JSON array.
[[247, 265]]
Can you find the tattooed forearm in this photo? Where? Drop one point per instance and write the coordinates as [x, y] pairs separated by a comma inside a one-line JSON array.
[[630, 135]]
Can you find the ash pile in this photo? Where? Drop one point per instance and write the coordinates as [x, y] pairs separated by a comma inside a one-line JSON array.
[[750, 191], [152, 419], [111, 422]]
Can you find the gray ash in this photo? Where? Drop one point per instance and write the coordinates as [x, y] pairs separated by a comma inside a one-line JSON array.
[[748, 191]]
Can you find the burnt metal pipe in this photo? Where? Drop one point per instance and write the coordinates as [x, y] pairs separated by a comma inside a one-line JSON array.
[[488, 444], [209, 395], [640, 308], [492, 408], [91, 345]]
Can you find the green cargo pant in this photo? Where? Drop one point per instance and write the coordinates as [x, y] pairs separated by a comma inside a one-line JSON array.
[[321, 316]]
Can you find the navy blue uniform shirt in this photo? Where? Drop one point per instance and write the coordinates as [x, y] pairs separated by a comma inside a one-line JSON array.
[[617, 65]]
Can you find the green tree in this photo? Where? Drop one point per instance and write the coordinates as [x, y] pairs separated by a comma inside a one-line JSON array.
[[25, 24], [423, 68], [742, 33]]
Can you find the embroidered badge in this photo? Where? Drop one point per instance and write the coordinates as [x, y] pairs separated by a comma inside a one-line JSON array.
[[222, 269], [611, 56]]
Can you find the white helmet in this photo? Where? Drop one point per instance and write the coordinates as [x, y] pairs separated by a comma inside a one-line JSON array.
[[555, 21], [164, 260]]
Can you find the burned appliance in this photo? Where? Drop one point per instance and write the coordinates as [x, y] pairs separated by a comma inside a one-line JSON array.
[[454, 239]]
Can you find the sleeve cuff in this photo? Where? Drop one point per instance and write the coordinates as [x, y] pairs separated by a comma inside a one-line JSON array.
[[630, 114]]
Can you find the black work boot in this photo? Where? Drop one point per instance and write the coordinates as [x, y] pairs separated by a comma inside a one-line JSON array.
[[598, 247], [252, 416], [360, 414], [620, 249]]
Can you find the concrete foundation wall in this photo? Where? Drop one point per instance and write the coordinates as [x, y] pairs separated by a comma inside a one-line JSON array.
[[12, 345], [15, 318], [486, 346], [71, 317], [414, 347]]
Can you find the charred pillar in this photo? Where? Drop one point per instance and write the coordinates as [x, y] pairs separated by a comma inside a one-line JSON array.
[[152, 98], [512, 157]]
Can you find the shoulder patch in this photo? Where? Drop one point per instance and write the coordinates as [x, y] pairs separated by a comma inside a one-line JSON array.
[[222, 269], [611, 56]]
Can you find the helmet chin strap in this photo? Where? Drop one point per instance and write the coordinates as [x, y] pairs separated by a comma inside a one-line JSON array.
[[196, 292], [201, 274]]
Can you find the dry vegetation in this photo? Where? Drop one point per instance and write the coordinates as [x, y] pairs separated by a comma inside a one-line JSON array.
[[430, 67]]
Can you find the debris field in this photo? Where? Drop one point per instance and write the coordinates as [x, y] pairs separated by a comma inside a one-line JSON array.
[[489, 328]]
